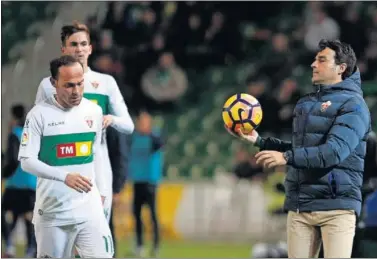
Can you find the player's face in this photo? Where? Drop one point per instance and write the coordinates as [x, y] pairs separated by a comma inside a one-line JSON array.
[[78, 46], [325, 70], [70, 85]]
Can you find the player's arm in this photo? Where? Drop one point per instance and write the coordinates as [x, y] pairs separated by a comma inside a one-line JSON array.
[[29, 150], [98, 157], [349, 128], [122, 120], [268, 143]]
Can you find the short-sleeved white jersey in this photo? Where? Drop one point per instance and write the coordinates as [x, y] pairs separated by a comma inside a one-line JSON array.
[[66, 140]]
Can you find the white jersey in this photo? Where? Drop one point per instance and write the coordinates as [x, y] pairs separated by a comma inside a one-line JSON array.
[[103, 90], [58, 141]]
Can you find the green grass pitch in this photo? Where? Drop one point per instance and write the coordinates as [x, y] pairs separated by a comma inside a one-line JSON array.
[[185, 249]]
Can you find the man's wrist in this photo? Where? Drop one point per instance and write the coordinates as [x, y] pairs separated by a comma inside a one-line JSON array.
[[288, 156], [61, 175]]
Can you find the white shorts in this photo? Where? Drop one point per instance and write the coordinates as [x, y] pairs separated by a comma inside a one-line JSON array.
[[92, 239]]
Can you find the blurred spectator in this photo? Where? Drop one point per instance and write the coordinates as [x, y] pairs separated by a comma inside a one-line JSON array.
[[19, 195], [320, 27], [287, 97], [145, 169], [278, 60], [146, 28], [220, 39], [95, 30], [115, 21], [369, 61], [150, 56], [168, 11], [195, 33], [165, 83], [190, 44], [259, 88], [106, 56], [352, 21]]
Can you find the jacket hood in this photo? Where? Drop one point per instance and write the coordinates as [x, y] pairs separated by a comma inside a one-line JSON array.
[[351, 83]]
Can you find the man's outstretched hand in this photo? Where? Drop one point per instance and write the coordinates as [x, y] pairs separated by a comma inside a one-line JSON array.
[[252, 137]]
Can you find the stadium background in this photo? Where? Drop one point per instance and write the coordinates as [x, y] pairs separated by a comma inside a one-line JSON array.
[[219, 49]]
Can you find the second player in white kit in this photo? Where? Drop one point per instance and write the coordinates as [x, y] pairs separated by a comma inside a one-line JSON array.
[[101, 89], [61, 144]]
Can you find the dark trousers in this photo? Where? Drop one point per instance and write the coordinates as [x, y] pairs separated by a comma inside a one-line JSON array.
[[18, 202], [145, 193]]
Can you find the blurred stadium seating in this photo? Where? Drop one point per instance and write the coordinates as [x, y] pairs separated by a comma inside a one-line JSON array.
[[195, 130]]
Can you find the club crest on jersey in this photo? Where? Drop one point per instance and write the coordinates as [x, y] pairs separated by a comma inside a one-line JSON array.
[[325, 105], [95, 84], [89, 121], [25, 139]]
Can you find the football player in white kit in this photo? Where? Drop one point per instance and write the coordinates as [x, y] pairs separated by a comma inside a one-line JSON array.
[[61, 145], [99, 88]]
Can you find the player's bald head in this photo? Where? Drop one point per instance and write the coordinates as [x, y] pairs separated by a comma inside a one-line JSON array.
[[63, 61]]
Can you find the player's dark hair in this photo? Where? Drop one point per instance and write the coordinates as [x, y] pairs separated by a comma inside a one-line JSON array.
[[343, 54], [18, 112], [62, 61], [68, 30]]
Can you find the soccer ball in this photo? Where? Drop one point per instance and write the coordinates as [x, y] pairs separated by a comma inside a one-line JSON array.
[[242, 111]]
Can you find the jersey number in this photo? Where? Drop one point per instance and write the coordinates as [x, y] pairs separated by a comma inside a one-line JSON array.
[[108, 244]]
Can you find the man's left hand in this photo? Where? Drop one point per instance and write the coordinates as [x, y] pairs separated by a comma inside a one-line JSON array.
[[107, 121], [270, 159]]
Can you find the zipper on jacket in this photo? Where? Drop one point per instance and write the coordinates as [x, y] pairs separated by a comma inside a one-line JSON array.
[[333, 185], [302, 143]]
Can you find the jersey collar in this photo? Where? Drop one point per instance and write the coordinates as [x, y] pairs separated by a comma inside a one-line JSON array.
[[58, 104], [89, 71]]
